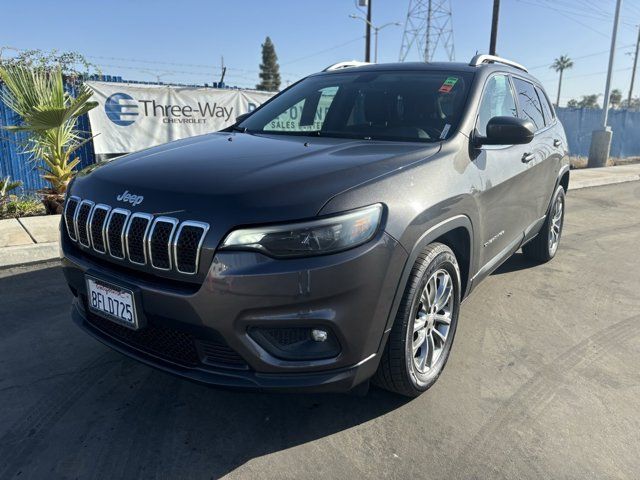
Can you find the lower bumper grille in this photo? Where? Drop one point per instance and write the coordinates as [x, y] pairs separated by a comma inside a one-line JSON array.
[[173, 345]]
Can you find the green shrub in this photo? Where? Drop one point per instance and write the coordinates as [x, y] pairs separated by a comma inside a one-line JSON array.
[[21, 206]]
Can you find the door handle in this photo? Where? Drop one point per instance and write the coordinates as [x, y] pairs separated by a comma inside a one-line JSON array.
[[527, 157], [557, 142]]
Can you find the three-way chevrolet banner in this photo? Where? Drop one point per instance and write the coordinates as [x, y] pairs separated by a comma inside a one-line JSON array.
[[131, 117]]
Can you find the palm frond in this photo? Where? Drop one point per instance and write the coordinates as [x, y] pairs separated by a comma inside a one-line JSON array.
[[49, 114]]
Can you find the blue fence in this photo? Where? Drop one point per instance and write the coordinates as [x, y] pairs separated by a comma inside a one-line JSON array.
[[578, 124]]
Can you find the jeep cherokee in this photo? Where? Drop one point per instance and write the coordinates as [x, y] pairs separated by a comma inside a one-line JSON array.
[[326, 238]]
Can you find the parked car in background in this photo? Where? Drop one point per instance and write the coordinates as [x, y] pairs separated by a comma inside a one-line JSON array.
[[327, 238]]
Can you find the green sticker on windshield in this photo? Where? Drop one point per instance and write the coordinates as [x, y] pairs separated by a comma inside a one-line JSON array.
[[448, 84]]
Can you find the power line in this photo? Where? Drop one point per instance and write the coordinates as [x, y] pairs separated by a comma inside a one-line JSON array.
[[320, 52], [566, 16], [547, 65]]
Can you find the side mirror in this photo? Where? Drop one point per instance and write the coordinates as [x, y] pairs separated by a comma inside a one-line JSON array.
[[507, 131], [240, 118]]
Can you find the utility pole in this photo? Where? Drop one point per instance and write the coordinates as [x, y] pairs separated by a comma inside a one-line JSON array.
[[633, 72], [367, 52], [224, 70], [601, 139], [494, 27]]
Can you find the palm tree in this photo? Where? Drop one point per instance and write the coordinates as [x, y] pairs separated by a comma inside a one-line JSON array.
[[560, 64], [48, 114]]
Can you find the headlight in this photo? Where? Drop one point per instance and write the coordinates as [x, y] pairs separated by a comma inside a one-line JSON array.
[[317, 237]]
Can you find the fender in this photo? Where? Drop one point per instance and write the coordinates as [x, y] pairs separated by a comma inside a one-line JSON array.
[[564, 169], [534, 228], [425, 239]]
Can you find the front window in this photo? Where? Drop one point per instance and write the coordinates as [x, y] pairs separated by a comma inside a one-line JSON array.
[[421, 106], [497, 101]]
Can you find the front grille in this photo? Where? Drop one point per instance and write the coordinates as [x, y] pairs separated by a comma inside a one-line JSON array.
[[160, 242], [170, 344], [136, 235], [139, 238], [69, 215], [97, 227], [115, 228], [82, 222], [187, 246]]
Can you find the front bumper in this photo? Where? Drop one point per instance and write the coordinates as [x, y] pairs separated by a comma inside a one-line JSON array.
[[350, 293]]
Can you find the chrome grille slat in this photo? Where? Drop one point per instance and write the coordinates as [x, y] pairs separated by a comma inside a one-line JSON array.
[[115, 232], [97, 224], [185, 254], [136, 237], [69, 216], [159, 242], [139, 238], [81, 221]]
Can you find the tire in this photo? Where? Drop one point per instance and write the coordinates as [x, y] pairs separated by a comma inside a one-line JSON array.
[[544, 245], [401, 370]]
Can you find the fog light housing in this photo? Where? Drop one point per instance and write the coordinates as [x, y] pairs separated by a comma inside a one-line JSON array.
[[297, 343]]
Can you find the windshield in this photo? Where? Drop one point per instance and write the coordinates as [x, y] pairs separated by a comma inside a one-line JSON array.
[[418, 106]]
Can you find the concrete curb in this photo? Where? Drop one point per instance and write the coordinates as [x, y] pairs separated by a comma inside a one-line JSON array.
[[27, 254], [597, 177]]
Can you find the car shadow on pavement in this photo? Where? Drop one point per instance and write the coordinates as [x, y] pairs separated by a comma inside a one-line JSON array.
[[75, 408], [516, 263]]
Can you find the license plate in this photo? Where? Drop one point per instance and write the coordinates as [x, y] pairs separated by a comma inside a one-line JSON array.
[[112, 302]]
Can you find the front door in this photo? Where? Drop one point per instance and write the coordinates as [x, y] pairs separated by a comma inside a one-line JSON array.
[[504, 198]]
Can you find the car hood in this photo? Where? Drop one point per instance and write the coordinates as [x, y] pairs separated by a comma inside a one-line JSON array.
[[230, 179]]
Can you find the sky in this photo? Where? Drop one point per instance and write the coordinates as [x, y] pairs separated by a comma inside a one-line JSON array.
[[184, 41]]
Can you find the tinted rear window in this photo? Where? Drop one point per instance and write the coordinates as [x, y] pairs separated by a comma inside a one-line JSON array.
[[546, 106], [530, 107]]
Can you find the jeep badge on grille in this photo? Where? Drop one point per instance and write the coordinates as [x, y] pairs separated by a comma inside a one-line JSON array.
[[130, 198]]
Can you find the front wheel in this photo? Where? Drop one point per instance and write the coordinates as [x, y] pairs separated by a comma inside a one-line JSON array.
[[422, 334], [545, 245]]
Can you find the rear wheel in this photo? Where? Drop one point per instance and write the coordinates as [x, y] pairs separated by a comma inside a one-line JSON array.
[[420, 340], [545, 245]]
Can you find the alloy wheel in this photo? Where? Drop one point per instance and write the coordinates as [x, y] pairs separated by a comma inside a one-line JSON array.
[[432, 321], [556, 225]]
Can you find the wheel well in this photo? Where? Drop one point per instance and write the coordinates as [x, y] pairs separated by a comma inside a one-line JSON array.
[[459, 241], [564, 181]]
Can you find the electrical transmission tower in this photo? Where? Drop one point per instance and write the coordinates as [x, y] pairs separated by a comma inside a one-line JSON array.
[[427, 29]]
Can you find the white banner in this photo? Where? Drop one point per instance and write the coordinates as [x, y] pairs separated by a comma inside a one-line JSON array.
[[132, 117]]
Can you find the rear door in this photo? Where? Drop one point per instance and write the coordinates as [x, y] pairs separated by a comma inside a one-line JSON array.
[[538, 156], [552, 139]]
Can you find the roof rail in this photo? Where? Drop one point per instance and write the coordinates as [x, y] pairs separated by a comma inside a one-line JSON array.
[[480, 59], [341, 65]]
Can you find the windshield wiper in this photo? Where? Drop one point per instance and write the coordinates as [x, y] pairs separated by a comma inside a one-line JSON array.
[[235, 128]]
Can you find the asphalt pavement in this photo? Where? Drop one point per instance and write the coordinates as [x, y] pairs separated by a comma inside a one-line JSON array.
[[543, 382]]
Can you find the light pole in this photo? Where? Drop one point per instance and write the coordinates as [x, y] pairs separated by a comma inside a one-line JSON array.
[[375, 32], [601, 139], [494, 27]]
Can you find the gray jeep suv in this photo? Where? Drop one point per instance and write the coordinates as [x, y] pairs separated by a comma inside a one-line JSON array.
[[328, 237]]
